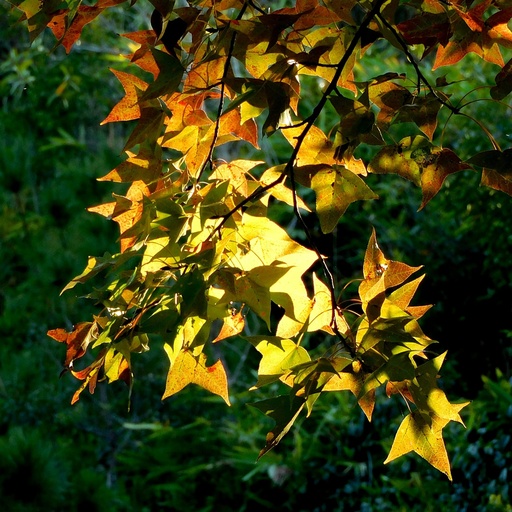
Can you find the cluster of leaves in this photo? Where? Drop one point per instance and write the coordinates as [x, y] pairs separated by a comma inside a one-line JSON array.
[[198, 250]]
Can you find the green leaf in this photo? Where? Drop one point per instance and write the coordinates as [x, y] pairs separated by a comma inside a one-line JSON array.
[[284, 411], [169, 76], [94, 267]]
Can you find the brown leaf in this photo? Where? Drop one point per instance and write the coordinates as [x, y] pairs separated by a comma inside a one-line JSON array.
[[503, 85], [435, 169], [77, 340], [495, 180]]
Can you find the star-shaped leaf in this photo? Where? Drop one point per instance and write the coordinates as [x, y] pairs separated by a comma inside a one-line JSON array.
[[419, 161], [415, 434], [278, 356], [128, 108], [187, 369], [472, 33], [335, 189], [284, 410]]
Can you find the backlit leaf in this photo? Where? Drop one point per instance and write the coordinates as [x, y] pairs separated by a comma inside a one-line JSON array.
[[278, 356], [414, 434], [335, 189], [128, 108], [187, 369]]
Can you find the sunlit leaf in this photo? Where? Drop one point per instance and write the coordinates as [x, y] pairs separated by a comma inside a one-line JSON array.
[[335, 190], [187, 369], [278, 356], [414, 434]]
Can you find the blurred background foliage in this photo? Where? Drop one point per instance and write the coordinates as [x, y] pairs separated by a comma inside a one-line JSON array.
[[191, 452]]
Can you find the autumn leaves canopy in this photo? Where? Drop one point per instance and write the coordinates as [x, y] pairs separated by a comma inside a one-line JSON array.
[[208, 81]]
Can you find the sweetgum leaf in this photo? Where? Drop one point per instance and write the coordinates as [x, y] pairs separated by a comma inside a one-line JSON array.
[[474, 32], [38, 14], [187, 369], [353, 381], [77, 340], [284, 410], [278, 356], [503, 85], [419, 161], [428, 397], [336, 189], [169, 76], [128, 108], [497, 169], [495, 180], [233, 324], [68, 25], [89, 376], [428, 29], [415, 434]]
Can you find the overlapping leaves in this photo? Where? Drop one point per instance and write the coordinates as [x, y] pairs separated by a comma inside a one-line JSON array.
[[198, 251]]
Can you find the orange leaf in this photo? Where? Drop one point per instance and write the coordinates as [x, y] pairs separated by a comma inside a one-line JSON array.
[[128, 108], [68, 32], [89, 375], [233, 325]]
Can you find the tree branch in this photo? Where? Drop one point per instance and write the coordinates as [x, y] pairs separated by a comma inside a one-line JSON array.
[[419, 73], [300, 139]]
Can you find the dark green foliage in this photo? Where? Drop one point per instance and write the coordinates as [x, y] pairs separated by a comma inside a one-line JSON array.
[[33, 475], [333, 463]]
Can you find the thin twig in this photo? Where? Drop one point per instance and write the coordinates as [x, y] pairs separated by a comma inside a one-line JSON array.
[[227, 65], [300, 139], [419, 73], [257, 193]]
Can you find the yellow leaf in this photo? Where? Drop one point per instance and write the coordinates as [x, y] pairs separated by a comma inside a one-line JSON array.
[[336, 189], [354, 382], [278, 356], [281, 191], [188, 369], [416, 434], [321, 316], [271, 246], [316, 147], [428, 397]]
